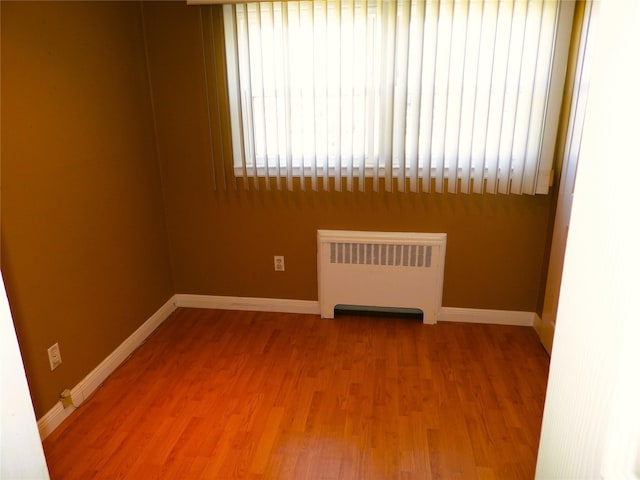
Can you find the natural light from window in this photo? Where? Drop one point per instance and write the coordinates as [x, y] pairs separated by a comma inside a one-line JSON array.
[[405, 91]]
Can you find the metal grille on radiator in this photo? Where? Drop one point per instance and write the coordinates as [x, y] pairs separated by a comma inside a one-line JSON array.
[[381, 254]]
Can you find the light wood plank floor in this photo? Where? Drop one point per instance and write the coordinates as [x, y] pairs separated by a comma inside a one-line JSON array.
[[220, 395]]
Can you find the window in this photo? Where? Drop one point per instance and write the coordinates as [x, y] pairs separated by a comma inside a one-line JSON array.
[[464, 94]]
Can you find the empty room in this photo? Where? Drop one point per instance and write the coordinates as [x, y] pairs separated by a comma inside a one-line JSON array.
[[318, 239]]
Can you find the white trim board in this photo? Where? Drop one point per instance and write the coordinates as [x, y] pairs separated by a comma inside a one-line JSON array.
[[495, 317], [248, 303], [54, 417], [545, 330], [447, 314]]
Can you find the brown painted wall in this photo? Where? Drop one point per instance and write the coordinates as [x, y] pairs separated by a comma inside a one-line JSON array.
[[84, 249], [85, 252], [223, 243]]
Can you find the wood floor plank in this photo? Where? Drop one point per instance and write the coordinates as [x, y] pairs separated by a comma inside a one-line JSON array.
[[246, 395]]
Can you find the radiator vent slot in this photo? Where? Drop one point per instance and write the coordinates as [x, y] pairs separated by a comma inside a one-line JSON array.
[[381, 270], [381, 254]]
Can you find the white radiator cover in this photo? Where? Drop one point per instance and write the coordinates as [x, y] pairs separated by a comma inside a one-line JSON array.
[[381, 269]]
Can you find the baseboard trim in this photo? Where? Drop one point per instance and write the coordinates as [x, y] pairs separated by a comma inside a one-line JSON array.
[[545, 330], [54, 417], [312, 307], [495, 317], [248, 303]]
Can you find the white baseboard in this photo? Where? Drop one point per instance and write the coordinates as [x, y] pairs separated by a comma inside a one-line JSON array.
[[447, 314], [495, 317], [545, 330], [54, 417], [248, 303], [312, 307]]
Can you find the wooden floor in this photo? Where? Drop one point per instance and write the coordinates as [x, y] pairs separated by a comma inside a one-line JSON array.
[[221, 395]]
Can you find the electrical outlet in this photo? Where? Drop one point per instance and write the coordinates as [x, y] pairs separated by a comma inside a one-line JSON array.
[[54, 356], [278, 263]]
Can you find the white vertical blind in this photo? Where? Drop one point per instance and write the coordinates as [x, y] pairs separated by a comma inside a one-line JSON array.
[[462, 92]]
